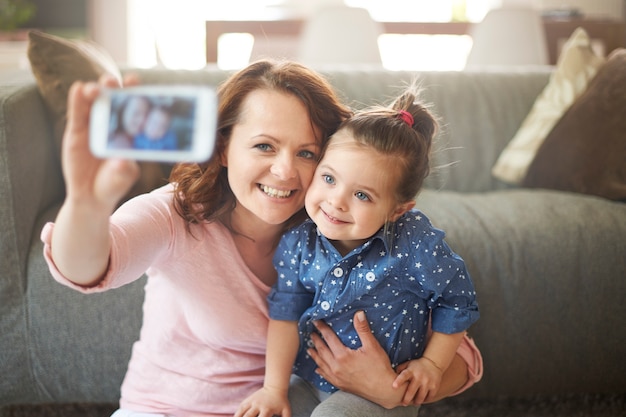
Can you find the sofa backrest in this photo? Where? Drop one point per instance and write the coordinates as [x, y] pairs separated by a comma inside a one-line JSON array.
[[479, 111], [479, 114]]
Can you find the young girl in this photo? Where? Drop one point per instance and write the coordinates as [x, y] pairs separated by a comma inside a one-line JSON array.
[[206, 243], [157, 133], [366, 248]]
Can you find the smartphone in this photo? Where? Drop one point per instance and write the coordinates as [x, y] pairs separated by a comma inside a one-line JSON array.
[[166, 123]]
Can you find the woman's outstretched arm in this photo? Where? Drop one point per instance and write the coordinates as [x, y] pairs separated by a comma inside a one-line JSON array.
[[80, 242]]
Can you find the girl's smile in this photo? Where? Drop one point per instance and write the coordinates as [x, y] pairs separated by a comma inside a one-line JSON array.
[[332, 219]]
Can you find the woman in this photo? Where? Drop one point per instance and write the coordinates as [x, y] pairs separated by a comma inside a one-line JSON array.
[[130, 120], [206, 242]]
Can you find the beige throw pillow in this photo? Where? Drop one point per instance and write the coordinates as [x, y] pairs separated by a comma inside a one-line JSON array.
[[57, 63], [576, 66]]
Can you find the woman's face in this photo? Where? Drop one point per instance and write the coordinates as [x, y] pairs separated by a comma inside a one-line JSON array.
[[135, 114], [271, 157]]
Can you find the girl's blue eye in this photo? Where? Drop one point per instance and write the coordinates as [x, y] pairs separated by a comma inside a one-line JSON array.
[[328, 179], [361, 196], [263, 146]]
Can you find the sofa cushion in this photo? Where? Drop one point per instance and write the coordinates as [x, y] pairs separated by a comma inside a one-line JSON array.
[[548, 270], [576, 66], [586, 150], [56, 64]]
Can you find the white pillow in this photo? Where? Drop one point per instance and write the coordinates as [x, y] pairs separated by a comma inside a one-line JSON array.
[[576, 66]]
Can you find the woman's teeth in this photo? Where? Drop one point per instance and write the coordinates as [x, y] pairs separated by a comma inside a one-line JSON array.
[[273, 192]]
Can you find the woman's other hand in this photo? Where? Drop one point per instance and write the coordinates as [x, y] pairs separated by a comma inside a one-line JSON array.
[[365, 371]]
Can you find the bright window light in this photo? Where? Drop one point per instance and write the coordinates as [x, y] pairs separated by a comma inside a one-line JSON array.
[[424, 52], [234, 50], [173, 36]]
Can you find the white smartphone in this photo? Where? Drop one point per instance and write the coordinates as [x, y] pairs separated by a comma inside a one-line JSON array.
[[166, 123]]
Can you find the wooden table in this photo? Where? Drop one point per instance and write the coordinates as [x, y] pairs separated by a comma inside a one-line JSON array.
[[611, 32]]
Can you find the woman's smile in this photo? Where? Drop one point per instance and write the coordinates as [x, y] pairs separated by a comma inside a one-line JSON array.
[[274, 192]]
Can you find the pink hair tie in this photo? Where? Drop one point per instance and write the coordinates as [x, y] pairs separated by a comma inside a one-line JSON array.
[[406, 117]]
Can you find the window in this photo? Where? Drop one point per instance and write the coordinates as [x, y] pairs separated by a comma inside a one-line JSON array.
[[172, 33]]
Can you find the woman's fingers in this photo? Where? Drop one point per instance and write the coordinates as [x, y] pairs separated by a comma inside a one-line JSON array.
[[80, 98]]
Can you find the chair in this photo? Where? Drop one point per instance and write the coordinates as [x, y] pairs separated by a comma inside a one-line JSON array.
[[508, 36], [274, 47], [339, 35]]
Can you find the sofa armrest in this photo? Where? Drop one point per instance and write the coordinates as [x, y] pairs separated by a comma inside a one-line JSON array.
[[30, 176], [30, 181]]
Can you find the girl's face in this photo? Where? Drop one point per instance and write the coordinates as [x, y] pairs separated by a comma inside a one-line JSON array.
[[157, 124], [135, 115], [271, 157], [352, 193]]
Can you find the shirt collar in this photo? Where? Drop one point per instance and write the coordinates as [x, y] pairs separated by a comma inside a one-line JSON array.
[[385, 238]]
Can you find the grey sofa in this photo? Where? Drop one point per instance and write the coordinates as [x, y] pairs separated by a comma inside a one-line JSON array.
[[549, 267]]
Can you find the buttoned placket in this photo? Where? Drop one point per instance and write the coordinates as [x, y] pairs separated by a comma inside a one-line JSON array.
[[337, 279], [333, 283]]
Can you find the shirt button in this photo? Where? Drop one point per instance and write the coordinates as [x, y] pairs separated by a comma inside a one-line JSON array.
[[338, 272], [370, 276], [325, 305]]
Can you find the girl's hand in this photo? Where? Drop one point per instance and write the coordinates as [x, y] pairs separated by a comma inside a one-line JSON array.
[[265, 403], [423, 378], [365, 371], [89, 180]]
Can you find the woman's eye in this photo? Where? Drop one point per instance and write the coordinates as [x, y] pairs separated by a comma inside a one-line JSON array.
[[263, 147], [361, 196], [308, 155], [328, 179]]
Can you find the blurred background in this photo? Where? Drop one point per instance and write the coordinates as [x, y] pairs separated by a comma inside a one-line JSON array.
[[410, 34]]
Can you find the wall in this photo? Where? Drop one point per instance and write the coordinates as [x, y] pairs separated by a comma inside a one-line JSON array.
[[108, 26], [591, 8], [108, 20], [59, 15]]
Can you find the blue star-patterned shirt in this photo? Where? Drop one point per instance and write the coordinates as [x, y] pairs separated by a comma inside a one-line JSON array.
[[400, 278], [168, 142]]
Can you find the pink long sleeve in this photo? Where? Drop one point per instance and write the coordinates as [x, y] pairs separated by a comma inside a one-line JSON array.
[[202, 343]]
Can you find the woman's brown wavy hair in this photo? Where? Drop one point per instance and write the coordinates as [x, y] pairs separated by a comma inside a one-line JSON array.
[[202, 192]]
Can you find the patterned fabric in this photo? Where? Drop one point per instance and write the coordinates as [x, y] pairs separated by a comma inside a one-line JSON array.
[[397, 278], [167, 142]]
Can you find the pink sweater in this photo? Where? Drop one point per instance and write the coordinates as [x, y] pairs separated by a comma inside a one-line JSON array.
[[202, 343], [201, 350]]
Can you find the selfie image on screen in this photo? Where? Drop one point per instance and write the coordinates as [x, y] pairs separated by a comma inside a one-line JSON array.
[[155, 123]]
